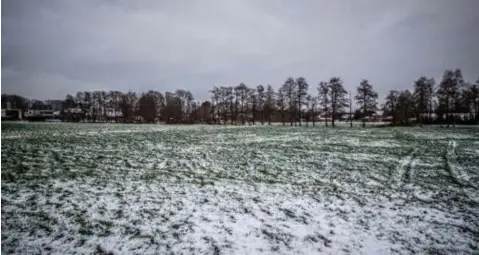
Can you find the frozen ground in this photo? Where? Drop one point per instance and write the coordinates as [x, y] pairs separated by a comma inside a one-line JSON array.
[[154, 189]]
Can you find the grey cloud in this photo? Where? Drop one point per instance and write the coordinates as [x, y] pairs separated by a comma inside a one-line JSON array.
[[51, 48]]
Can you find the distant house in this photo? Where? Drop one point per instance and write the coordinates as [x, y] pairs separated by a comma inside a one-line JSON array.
[[10, 113], [40, 115]]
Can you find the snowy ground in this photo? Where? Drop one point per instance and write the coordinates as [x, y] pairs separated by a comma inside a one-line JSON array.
[[155, 189]]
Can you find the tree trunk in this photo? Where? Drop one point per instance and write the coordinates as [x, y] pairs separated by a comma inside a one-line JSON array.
[[454, 112], [314, 116], [291, 117], [269, 117], [447, 112], [350, 110], [300, 112], [326, 116], [242, 115], [332, 116]]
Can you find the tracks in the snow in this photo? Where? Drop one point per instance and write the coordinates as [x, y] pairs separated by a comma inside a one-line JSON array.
[[451, 166], [409, 167], [404, 170], [449, 156]]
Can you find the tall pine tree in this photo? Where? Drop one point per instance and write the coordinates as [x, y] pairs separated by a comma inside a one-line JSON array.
[[366, 97], [337, 94], [447, 93]]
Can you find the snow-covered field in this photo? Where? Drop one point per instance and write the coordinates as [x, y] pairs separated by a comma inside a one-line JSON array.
[[155, 189]]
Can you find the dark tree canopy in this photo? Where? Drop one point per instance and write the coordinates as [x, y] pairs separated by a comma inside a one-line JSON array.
[[337, 94], [366, 98]]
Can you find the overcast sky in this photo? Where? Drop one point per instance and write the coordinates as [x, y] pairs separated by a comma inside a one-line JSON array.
[[51, 48]]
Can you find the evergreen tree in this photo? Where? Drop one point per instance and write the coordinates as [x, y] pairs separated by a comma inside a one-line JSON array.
[[448, 93], [337, 93], [366, 97], [423, 92]]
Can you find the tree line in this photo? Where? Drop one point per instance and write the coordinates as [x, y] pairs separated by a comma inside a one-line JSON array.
[[452, 101]]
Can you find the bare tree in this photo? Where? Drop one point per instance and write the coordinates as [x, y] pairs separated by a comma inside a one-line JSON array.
[[115, 105], [261, 99], [159, 99], [432, 100], [281, 102], [185, 97], [105, 100], [147, 107], [302, 92], [80, 102], [313, 102], [189, 99], [323, 95], [289, 87], [471, 100], [350, 103], [269, 103], [453, 97], [128, 105], [87, 106], [242, 91], [231, 95], [236, 104], [252, 103], [215, 102], [423, 89], [309, 109], [224, 98], [205, 112], [96, 106]]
